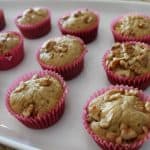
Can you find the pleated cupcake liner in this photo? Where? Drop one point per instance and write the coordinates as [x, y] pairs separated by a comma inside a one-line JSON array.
[[36, 30], [46, 119], [68, 71], [14, 56], [104, 144], [141, 81], [2, 20], [118, 37], [87, 35]]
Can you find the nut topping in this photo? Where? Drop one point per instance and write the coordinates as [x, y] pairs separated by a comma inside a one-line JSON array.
[[129, 59], [147, 106], [128, 134]]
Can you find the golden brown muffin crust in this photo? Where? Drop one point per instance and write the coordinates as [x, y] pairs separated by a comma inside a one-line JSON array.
[[79, 20], [129, 59], [61, 50], [36, 96], [133, 26], [7, 42], [119, 116], [33, 16]]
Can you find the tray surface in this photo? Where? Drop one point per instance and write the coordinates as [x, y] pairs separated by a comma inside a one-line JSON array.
[[68, 133]]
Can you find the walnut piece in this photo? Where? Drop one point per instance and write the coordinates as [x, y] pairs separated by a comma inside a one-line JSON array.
[[128, 134]]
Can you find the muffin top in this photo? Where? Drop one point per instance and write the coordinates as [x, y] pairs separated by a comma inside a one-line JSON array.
[[79, 20], [36, 96], [7, 42], [119, 116], [129, 59], [32, 16], [60, 51], [133, 26]]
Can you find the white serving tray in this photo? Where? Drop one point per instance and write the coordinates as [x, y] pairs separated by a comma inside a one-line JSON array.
[[68, 133]]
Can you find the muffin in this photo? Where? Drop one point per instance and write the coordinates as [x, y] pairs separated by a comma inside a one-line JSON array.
[[64, 55], [11, 49], [82, 23], [131, 27], [2, 20], [128, 63], [37, 99], [34, 22], [118, 117]]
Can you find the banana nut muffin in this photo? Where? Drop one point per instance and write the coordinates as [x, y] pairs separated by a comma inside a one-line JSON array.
[[119, 116], [60, 51], [79, 20], [32, 16], [133, 26], [7, 42], [36, 96], [129, 59]]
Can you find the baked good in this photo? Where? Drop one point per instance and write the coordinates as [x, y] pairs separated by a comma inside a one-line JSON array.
[[34, 22], [64, 55], [82, 23], [128, 63], [118, 117], [37, 99], [11, 49], [131, 27]]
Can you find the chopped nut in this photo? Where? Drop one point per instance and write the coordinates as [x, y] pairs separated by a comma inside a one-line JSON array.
[[95, 112], [61, 54], [45, 82], [35, 76], [141, 25], [20, 87], [65, 18], [77, 14], [50, 45], [116, 45], [28, 11], [28, 111], [95, 126], [114, 63], [128, 134], [132, 92], [147, 106], [111, 136], [123, 126], [88, 19], [105, 122], [115, 96], [123, 64], [145, 129]]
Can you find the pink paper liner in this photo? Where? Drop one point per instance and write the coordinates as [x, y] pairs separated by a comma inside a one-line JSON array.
[[14, 56], [2, 20], [87, 35], [37, 30], [107, 145], [48, 118], [141, 82], [68, 71], [122, 38]]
